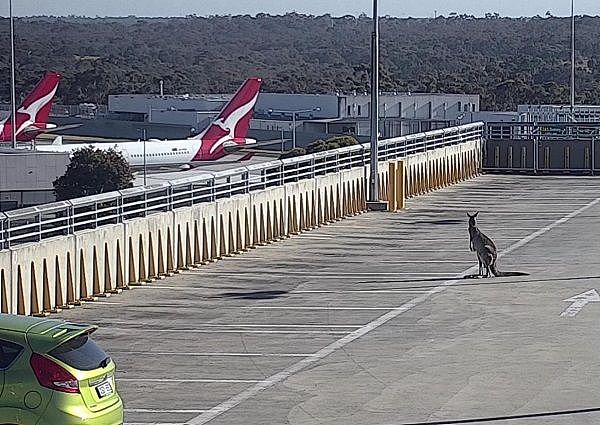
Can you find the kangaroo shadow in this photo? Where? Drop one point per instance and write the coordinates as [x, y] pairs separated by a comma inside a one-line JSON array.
[[255, 295], [480, 281], [435, 222], [508, 417]]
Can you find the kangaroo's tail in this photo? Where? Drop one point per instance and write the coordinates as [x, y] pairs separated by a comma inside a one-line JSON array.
[[498, 273]]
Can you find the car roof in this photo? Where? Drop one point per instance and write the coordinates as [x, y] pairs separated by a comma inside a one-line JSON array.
[[41, 332], [16, 323]]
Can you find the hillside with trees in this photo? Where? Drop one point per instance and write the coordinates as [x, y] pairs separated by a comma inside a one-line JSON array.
[[506, 60]]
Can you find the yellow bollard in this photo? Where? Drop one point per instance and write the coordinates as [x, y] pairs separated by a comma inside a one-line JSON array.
[[400, 185], [392, 187]]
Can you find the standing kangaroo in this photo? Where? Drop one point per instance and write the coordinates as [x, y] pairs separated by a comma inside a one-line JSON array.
[[483, 246], [487, 254]]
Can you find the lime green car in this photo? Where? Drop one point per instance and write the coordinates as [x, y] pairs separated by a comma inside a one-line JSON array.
[[53, 373]]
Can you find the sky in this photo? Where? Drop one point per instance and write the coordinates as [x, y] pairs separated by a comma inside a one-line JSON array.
[[401, 8]]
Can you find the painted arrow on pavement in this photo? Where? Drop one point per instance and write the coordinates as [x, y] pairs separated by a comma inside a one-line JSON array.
[[580, 301]]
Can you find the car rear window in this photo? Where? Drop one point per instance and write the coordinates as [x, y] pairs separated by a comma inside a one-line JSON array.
[[9, 351], [80, 352]]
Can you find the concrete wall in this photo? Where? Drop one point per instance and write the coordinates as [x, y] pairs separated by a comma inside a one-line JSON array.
[[65, 271], [26, 177], [547, 156]]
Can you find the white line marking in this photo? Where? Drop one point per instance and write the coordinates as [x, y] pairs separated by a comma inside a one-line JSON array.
[[231, 325], [164, 411], [170, 353], [255, 325], [193, 381], [342, 342], [154, 423], [580, 301], [299, 307], [409, 237], [363, 291], [319, 275], [244, 276], [235, 331], [535, 213]]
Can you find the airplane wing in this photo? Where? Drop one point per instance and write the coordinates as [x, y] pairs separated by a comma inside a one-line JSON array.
[[84, 139], [33, 129], [259, 152], [257, 148]]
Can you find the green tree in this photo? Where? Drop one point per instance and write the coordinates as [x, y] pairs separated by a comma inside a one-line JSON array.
[[321, 146], [342, 141], [331, 143], [92, 171], [292, 153], [508, 61]]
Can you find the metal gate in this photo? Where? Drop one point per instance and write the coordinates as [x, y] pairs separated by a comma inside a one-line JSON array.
[[548, 148]]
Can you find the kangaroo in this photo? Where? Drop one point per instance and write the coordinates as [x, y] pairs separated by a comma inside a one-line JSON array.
[[483, 246], [486, 250]]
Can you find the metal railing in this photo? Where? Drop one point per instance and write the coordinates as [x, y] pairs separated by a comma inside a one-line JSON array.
[[547, 147], [62, 218], [541, 131]]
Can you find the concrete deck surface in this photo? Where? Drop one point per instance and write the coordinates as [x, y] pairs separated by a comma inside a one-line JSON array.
[[365, 321]]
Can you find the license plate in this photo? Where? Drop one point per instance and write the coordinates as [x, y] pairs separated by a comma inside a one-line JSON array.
[[104, 389]]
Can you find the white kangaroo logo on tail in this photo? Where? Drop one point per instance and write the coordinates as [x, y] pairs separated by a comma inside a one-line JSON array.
[[229, 123], [32, 110]]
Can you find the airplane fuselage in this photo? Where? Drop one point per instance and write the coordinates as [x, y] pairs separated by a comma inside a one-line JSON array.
[[157, 152]]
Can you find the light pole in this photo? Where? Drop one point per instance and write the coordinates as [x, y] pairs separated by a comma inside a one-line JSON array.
[[572, 61], [293, 129], [374, 175], [293, 112], [13, 95], [144, 142]]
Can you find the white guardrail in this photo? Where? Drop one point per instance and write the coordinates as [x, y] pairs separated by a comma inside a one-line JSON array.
[[28, 225]]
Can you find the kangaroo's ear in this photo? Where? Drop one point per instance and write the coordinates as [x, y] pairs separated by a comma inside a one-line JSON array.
[[476, 213], [470, 216]]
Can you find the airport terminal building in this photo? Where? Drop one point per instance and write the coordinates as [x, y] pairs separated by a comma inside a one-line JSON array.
[[400, 113]]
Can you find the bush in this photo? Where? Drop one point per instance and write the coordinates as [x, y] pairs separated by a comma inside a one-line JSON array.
[[343, 141], [92, 171], [292, 153], [322, 146], [317, 146]]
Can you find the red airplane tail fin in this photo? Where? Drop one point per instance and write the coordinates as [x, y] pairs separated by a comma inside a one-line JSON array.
[[234, 120], [232, 123], [35, 108]]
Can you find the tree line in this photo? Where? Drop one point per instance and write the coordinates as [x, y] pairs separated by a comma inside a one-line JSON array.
[[508, 61]]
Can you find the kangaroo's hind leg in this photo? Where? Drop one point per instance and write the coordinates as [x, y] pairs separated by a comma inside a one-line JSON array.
[[480, 265], [487, 262]]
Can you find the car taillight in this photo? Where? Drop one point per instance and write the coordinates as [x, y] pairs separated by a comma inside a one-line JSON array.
[[52, 375]]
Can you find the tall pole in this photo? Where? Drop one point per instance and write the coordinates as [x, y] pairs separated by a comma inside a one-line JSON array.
[[293, 130], [144, 137], [374, 175], [572, 61], [13, 96]]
